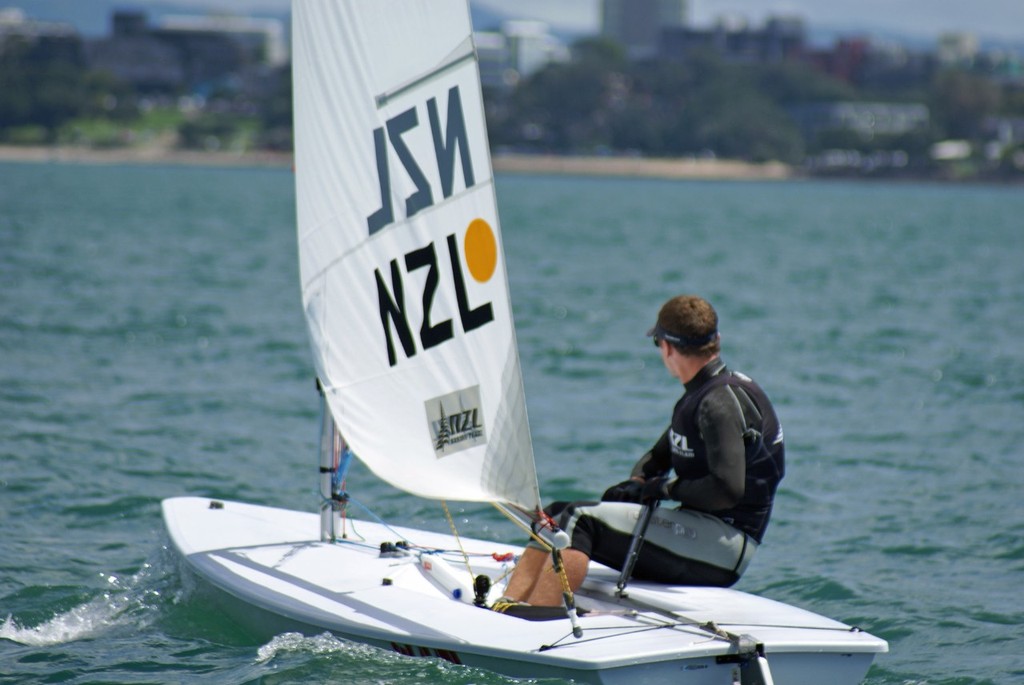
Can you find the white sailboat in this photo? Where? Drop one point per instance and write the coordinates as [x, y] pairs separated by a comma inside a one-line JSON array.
[[407, 304]]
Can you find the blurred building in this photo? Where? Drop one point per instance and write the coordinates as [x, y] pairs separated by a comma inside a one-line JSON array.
[[780, 39], [638, 24], [495, 64], [531, 46], [260, 41], [134, 56], [57, 39], [957, 49], [872, 63], [518, 50], [868, 120], [1005, 66], [189, 53]]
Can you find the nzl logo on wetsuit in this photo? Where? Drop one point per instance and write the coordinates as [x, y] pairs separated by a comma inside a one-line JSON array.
[[680, 448], [479, 242]]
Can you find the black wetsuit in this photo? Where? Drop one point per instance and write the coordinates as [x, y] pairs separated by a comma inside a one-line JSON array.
[[725, 445], [726, 450]]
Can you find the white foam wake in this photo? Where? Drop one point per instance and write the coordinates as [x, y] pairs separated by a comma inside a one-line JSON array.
[[325, 643], [83, 621], [121, 602]]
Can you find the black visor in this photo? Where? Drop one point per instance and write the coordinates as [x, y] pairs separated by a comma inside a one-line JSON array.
[[681, 340]]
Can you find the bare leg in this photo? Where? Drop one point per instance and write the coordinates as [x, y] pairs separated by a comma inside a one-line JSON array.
[[547, 587], [525, 575]]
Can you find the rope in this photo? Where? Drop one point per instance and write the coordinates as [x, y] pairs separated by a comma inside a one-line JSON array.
[[455, 534], [611, 633], [563, 576]]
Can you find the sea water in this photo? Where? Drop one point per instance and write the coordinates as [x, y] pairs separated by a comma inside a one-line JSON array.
[[152, 345]]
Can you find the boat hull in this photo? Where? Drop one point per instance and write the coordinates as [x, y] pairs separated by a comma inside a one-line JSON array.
[[271, 574]]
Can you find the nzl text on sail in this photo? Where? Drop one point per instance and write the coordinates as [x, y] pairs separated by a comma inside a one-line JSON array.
[[448, 139]]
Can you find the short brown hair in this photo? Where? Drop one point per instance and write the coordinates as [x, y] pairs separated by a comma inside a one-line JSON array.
[[690, 324]]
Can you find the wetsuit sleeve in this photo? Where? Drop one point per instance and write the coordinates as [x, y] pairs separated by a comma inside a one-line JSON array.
[[721, 423]]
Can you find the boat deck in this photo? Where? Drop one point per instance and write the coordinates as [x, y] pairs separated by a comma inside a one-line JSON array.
[[270, 561]]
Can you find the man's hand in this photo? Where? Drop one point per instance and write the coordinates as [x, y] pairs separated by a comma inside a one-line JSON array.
[[627, 491], [655, 489]]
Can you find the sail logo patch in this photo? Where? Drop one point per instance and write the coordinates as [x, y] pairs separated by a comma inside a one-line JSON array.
[[680, 448], [456, 421]]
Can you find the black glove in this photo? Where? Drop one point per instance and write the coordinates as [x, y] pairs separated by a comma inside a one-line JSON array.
[[655, 489], [626, 491]]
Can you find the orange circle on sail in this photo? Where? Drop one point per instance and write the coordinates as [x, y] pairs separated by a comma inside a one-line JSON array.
[[481, 250]]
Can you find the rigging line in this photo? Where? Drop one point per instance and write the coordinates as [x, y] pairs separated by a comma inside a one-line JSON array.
[[455, 534], [681, 621], [427, 550], [837, 629], [618, 632], [355, 543], [374, 516], [710, 627]]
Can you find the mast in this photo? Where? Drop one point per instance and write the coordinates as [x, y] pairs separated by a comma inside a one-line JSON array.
[[335, 458]]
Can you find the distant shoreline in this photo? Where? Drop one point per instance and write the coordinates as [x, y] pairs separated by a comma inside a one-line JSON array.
[[67, 154], [642, 167], [682, 168]]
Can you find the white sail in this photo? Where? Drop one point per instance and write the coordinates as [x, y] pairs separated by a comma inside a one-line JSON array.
[[402, 269]]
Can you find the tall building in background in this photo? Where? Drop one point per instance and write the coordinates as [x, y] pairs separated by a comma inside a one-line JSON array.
[[637, 24]]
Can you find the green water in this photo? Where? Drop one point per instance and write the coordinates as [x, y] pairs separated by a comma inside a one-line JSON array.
[[152, 345]]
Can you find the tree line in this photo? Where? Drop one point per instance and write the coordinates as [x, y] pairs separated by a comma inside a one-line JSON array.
[[602, 102], [597, 103]]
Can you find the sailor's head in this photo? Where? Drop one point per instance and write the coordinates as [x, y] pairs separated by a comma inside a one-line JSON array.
[[690, 324]]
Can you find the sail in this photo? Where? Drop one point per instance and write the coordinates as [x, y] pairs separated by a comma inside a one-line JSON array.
[[401, 262]]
